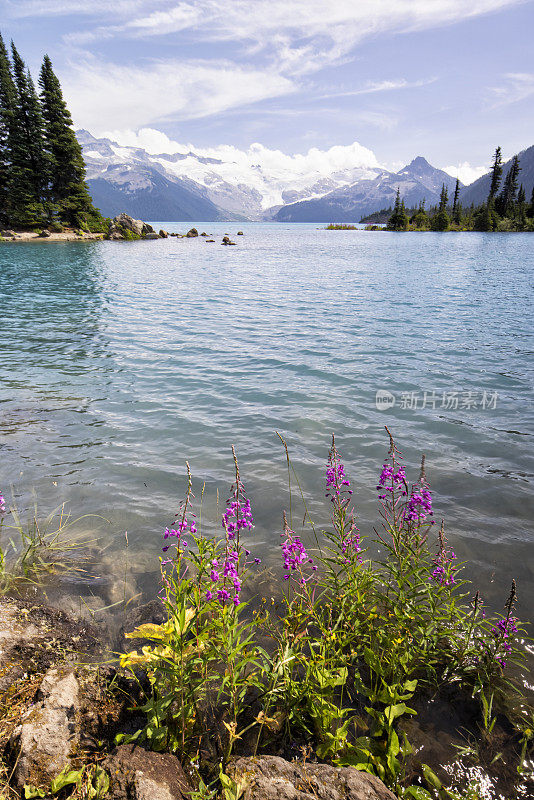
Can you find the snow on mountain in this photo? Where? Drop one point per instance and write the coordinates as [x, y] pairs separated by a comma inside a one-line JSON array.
[[238, 182]]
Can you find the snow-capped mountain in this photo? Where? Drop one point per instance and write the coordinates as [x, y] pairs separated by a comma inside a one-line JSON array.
[[249, 184], [417, 181]]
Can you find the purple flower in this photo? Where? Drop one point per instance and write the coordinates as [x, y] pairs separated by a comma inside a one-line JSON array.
[[2, 503], [336, 481], [237, 516], [294, 554], [391, 481], [419, 506]]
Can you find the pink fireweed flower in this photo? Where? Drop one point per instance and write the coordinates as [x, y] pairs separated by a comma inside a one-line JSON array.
[[2, 503], [391, 480], [419, 505], [294, 555], [237, 517], [502, 631], [444, 568], [337, 483]]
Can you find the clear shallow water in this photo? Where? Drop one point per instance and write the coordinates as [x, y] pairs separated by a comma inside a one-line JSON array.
[[122, 360]]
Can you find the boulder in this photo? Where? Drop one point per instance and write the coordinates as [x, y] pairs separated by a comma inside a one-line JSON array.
[[240, 233], [203, 233], [273, 778], [125, 227], [152, 235], [44, 234], [163, 234], [226, 240], [209, 240], [47, 736], [192, 233], [138, 774]]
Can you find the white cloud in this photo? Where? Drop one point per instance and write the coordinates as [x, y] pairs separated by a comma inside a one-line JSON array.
[[384, 86], [519, 86], [338, 157], [125, 97], [466, 172]]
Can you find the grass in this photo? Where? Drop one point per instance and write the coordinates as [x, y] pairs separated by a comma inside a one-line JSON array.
[[339, 226], [355, 647]]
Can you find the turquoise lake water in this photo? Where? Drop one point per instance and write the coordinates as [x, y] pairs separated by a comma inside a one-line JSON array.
[[119, 361]]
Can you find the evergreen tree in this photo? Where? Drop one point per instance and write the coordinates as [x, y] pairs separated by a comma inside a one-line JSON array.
[[496, 172], [398, 221], [440, 221], [7, 110], [29, 168], [68, 189], [508, 197], [419, 218], [485, 218], [456, 207], [521, 207], [530, 210]]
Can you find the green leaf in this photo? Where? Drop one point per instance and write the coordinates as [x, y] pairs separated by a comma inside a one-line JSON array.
[[65, 778], [31, 791], [431, 778], [410, 686], [417, 792], [392, 712]]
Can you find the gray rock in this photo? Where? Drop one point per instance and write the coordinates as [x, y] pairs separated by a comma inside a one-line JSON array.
[[273, 778], [163, 234], [47, 736], [44, 234], [131, 224], [153, 235], [138, 774], [226, 240], [192, 233]]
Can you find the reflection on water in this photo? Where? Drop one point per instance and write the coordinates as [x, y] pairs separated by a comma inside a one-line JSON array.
[[119, 361]]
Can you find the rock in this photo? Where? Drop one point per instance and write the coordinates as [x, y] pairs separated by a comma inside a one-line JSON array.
[[273, 778], [240, 233], [44, 234], [153, 235], [203, 233], [226, 240], [125, 227], [209, 240], [192, 233], [163, 234], [138, 774], [10, 233], [47, 736]]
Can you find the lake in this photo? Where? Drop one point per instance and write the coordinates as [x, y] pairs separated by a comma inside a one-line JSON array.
[[120, 361]]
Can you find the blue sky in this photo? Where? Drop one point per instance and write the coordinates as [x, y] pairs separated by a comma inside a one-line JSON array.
[[447, 79]]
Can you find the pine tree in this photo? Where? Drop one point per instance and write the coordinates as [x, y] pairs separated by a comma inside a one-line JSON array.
[[496, 172], [521, 214], [29, 167], [68, 189], [7, 110], [398, 221], [456, 207], [441, 221], [530, 210], [508, 197], [420, 218]]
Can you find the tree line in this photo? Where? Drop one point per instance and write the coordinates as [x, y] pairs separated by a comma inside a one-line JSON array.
[[506, 208], [42, 171]]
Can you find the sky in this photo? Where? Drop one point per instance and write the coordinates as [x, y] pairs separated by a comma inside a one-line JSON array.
[[446, 79]]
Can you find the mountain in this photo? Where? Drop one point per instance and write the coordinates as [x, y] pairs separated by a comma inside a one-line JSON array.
[[417, 181], [477, 192], [189, 185]]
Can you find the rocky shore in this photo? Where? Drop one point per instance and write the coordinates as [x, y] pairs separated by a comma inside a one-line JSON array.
[[121, 228], [63, 701]]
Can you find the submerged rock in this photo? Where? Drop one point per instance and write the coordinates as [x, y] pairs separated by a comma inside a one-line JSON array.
[[240, 233], [273, 778], [226, 240]]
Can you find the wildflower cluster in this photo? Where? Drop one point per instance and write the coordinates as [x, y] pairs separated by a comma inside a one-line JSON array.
[[228, 573], [237, 517], [2, 503], [419, 506], [502, 631], [339, 491], [391, 480], [295, 556], [335, 476], [443, 572]]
